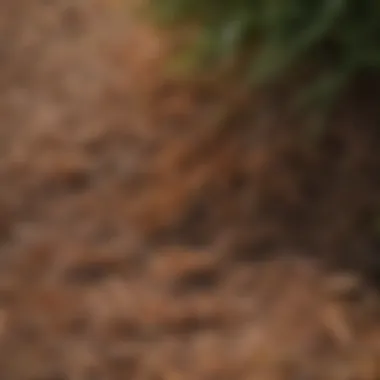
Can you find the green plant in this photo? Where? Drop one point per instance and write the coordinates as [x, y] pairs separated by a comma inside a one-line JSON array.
[[343, 36]]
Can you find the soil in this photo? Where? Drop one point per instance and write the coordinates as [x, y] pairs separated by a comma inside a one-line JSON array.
[[154, 227]]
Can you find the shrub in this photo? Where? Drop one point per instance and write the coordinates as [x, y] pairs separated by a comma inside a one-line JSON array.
[[275, 36]]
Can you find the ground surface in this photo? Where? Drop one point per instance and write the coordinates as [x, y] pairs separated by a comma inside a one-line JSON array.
[[133, 212]]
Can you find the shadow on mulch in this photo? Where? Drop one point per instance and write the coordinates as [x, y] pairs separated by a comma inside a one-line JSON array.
[[234, 168]]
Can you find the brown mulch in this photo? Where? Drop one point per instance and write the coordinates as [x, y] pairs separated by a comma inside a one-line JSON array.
[[156, 228]]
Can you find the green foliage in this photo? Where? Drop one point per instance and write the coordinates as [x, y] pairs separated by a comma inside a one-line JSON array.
[[277, 35]]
